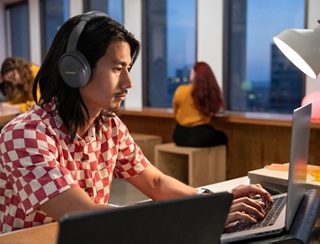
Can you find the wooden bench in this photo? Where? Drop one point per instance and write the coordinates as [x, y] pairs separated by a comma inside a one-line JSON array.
[[195, 166], [147, 143]]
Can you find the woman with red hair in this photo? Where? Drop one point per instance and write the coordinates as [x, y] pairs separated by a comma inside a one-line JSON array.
[[194, 106]]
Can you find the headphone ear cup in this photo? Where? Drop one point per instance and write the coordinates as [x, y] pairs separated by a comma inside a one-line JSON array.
[[74, 69]]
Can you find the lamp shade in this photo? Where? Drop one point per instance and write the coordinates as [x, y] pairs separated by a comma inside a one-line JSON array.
[[302, 48]]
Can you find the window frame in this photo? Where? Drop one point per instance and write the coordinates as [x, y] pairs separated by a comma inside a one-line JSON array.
[[227, 54]]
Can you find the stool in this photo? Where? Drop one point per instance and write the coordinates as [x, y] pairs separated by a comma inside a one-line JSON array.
[[195, 166], [147, 143]]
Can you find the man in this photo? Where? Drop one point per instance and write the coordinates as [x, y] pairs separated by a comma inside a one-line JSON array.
[[61, 155]]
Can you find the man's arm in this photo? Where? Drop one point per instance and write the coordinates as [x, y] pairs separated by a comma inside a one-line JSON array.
[[151, 181], [158, 186], [72, 200]]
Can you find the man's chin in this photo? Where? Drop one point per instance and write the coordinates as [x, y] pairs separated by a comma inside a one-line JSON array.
[[114, 109]]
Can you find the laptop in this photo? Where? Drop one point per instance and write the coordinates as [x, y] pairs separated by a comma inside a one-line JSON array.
[[196, 219], [288, 202]]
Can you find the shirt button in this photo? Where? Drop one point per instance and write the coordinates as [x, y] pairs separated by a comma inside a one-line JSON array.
[[83, 159]]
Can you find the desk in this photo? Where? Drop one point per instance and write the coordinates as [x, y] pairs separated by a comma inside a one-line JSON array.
[[47, 234], [254, 139], [278, 179], [228, 185], [8, 112], [44, 234]]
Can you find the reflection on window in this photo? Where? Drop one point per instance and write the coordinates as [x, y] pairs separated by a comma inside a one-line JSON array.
[[260, 78], [170, 48], [18, 28], [114, 8], [53, 14]]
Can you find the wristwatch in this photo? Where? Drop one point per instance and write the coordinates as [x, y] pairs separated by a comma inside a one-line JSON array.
[[202, 191]]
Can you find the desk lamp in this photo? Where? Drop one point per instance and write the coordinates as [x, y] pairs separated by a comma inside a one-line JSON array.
[[302, 48]]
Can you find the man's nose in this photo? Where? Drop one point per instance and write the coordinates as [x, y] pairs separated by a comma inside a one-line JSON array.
[[125, 81]]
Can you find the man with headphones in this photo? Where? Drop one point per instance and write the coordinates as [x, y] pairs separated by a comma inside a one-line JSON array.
[[61, 155]]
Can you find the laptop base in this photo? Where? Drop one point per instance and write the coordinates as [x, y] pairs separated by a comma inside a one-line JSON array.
[[306, 224]]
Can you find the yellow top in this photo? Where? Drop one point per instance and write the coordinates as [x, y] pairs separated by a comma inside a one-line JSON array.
[[26, 105], [185, 112]]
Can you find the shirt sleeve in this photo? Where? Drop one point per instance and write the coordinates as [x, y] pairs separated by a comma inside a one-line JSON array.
[[29, 156], [130, 160]]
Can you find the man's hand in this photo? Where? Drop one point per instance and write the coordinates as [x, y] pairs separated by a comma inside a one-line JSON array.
[[250, 190], [244, 207]]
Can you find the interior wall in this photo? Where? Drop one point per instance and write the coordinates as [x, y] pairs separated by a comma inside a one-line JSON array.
[[34, 28], [312, 18], [3, 51], [210, 35], [133, 22]]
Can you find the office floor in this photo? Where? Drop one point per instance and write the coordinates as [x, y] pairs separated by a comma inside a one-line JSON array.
[[123, 193]]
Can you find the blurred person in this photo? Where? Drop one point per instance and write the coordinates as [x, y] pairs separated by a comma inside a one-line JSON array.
[[194, 106], [16, 82], [62, 155]]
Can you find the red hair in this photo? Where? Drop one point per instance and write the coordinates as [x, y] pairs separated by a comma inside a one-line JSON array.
[[206, 92]]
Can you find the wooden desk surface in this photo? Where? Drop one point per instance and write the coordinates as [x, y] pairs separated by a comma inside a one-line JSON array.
[[255, 118], [47, 234], [44, 234], [8, 112]]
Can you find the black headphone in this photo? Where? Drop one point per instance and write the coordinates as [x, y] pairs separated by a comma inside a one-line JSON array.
[[74, 67]]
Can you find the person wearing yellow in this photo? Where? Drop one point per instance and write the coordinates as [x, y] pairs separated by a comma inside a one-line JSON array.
[[17, 76], [194, 106]]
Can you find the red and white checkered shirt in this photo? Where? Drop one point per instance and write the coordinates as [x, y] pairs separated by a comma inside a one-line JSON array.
[[39, 161]]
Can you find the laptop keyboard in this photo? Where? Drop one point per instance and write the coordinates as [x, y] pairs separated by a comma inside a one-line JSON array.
[[272, 212]]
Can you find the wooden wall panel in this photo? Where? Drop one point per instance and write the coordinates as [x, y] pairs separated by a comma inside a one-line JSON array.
[[252, 142]]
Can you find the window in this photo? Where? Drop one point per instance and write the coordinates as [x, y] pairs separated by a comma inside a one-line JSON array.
[[18, 30], [259, 77], [170, 44], [114, 8], [53, 14]]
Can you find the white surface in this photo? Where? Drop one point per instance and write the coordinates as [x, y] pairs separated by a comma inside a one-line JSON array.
[[210, 35], [313, 15], [133, 22], [228, 185], [277, 177], [76, 7], [34, 29]]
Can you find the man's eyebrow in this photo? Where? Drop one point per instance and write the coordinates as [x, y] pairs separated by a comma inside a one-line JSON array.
[[122, 63]]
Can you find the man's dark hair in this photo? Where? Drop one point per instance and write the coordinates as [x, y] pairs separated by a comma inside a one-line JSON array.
[[94, 40]]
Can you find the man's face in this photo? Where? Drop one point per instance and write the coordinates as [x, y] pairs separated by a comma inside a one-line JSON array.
[[110, 80]]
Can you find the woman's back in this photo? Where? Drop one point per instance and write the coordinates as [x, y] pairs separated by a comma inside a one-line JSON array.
[[186, 114], [194, 106]]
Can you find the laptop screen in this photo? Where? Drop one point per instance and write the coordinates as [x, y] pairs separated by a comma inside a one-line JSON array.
[[298, 160], [196, 219]]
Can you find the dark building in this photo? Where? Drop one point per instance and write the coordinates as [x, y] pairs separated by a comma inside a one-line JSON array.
[[237, 52], [286, 90]]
